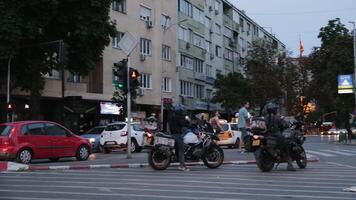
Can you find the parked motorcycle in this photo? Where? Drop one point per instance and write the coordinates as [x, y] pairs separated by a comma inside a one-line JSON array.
[[293, 139], [198, 145]]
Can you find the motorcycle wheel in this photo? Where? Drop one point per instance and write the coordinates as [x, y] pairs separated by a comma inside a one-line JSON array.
[[301, 159], [158, 159], [214, 157], [264, 162]]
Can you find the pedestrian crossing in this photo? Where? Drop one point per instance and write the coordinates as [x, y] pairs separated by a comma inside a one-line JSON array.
[[331, 152]]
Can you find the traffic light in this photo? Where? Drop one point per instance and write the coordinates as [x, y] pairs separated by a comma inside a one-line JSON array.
[[134, 75], [120, 74], [10, 108]]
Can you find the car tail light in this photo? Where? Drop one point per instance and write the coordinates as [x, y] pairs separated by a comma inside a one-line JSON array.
[[123, 133], [149, 134]]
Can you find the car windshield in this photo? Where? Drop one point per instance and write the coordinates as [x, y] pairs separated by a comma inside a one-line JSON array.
[[115, 127], [225, 127], [5, 130], [96, 130]]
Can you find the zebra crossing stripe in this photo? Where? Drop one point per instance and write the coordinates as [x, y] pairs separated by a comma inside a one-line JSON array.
[[338, 152], [320, 153]]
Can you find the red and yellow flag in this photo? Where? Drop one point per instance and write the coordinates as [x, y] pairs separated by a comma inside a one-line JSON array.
[[301, 48]]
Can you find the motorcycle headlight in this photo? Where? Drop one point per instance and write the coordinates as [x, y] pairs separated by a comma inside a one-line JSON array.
[[256, 137]]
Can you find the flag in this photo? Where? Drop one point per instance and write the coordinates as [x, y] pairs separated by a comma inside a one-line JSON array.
[[301, 48]]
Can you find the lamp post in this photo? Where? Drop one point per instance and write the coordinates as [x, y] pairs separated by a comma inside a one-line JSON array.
[[8, 87], [165, 29], [354, 36]]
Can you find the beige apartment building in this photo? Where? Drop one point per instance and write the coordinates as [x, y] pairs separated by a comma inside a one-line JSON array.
[[182, 45]]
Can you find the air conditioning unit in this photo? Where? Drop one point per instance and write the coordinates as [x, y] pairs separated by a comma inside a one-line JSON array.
[[149, 24], [210, 8], [187, 45], [142, 57], [216, 12], [141, 92]]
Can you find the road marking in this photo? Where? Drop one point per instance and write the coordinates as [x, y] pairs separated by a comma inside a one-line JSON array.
[[342, 165], [338, 152], [320, 153]]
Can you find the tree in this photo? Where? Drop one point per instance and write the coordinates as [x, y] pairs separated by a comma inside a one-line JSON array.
[[30, 28], [334, 57], [264, 71], [231, 90]]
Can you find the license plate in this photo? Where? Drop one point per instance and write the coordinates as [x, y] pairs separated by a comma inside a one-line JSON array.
[[164, 141], [256, 143], [110, 142]]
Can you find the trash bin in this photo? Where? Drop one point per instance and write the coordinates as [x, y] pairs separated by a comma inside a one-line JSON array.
[[342, 137]]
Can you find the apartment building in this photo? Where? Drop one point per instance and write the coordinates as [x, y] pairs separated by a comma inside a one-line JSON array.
[[182, 45]]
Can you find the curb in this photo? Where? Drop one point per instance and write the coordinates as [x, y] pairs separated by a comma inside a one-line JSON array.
[[16, 167]]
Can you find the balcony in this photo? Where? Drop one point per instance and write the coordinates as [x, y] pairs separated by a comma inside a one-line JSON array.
[[199, 76], [228, 21], [210, 80]]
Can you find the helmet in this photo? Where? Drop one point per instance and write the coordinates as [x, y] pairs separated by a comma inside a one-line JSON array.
[[271, 107], [179, 108]]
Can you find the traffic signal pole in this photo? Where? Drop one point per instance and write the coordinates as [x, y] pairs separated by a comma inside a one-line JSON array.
[[128, 97], [8, 117]]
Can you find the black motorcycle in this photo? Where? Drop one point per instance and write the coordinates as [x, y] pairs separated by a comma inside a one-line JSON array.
[[162, 151], [293, 138]]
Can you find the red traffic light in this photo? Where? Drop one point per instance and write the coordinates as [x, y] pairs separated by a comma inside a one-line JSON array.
[[9, 106], [134, 74]]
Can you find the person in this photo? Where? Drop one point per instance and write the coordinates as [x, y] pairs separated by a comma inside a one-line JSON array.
[[275, 124], [242, 122], [215, 122], [178, 124], [348, 122]]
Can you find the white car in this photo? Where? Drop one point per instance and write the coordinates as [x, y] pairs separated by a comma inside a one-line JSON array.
[[230, 136], [115, 136]]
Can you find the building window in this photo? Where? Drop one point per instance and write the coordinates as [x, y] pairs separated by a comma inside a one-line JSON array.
[[198, 41], [198, 15], [242, 24], [248, 28], [217, 4], [209, 70], [198, 66], [186, 8], [145, 46], [218, 72], [227, 32], [116, 39], [145, 13], [218, 29], [54, 74], [186, 62], [228, 54], [186, 88], [217, 51], [166, 21], [242, 44], [166, 52], [74, 78], [208, 2], [199, 91], [183, 34], [209, 93], [146, 81], [167, 84], [207, 46], [207, 22], [119, 5]]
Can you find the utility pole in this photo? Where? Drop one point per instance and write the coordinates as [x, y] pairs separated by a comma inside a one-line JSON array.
[[8, 118], [354, 36]]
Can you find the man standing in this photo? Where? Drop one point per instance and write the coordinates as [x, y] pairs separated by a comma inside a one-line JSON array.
[[243, 117]]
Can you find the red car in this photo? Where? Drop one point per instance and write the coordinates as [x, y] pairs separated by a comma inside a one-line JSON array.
[[27, 140]]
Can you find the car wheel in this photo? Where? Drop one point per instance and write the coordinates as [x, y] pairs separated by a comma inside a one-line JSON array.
[[106, 150], [83, 153], [237, 143], [54, 159], [24, 156], [134, 146]]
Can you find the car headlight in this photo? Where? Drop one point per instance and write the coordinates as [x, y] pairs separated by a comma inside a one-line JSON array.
[[92, 140]]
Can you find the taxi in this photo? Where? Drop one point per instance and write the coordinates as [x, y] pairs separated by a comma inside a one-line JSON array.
[[230, 136]]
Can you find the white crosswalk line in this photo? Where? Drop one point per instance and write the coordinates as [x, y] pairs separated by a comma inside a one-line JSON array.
[[338, 152], [320, 153]]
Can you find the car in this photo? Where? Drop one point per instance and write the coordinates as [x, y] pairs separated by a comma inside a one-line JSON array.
[[24, 141], [93, 135], [114, 136], [230, 136]]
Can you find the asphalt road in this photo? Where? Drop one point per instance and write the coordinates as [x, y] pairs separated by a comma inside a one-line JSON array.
[[320, 180]]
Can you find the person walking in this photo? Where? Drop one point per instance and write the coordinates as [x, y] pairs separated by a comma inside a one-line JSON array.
[[242, 122], [348, 121], [215, 122], [178, 123]]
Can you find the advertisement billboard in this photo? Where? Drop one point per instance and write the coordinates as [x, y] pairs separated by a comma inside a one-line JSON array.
[[345, 84], [108, 108]]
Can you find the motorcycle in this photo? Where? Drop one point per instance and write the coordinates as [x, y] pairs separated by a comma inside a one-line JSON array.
[[198, 145], [293, 139]]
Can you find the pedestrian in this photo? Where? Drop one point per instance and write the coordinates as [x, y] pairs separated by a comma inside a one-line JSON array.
[[348, 121], [215, 122], [178, 123], [242, 122]]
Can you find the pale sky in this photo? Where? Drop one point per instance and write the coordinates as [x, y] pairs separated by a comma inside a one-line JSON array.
[[290, 19]]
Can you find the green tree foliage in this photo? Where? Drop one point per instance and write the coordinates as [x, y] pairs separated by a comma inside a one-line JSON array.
[[29, 29], [232, 90], [264, 72], [333, 58]]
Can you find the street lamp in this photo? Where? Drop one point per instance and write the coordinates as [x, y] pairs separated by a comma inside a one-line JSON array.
[[354, 36], [165, 29]]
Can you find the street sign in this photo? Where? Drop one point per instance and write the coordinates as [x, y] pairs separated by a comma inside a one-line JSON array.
[[127, 43], [345, 84]]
